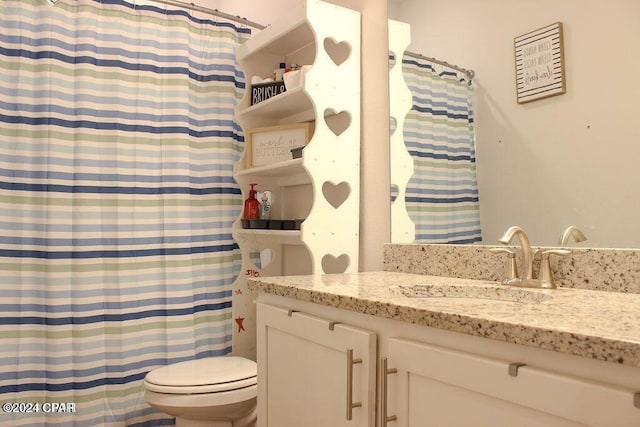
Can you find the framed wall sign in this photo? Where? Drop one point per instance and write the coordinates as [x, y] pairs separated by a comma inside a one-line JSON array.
[[540, 63], [273, 144]]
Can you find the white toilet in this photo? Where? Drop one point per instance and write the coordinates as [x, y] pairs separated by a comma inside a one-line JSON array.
[[214, 391]]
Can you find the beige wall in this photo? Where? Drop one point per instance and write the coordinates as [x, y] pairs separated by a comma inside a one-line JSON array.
[[261, 12], [570, 159]]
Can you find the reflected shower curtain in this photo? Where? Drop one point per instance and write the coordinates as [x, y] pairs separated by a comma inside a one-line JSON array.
[[117, 145], [442, 195]]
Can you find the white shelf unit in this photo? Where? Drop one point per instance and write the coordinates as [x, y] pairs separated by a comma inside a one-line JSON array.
[[323, 186]]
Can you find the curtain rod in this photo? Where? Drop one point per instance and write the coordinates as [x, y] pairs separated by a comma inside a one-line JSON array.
[[469, 73], [214, 12]]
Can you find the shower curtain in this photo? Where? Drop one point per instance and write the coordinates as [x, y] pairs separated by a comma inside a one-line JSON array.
[[117, 145], [442, 195]]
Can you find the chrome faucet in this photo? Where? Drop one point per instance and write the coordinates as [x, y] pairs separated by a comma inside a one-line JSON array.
[[526, 273], [574, 231]]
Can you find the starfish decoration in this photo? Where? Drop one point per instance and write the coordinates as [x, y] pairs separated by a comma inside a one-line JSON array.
[[239, 321]]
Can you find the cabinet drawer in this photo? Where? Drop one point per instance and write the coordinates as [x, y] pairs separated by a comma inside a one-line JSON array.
[[305, 376], [526, 394]]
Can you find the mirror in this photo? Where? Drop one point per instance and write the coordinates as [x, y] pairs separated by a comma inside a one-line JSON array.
[[571, 159]]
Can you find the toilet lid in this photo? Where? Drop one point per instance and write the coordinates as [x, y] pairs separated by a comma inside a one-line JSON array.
[[204, 372]]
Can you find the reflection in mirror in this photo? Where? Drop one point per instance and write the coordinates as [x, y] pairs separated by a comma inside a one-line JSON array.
[[400, 161], [442, 195], [441, 198], [394, 192], [392, 59], [558, 161]]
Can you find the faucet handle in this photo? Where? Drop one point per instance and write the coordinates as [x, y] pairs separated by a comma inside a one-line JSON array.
[[503, 250], [574, 231], [560, 252], [545, 276], [512, 267]]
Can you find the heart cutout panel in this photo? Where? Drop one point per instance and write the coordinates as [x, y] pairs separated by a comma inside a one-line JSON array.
[[336, 194], [337, 122], [337, 51], [333, 265], [261, 258], [392, 59], [394, 192]]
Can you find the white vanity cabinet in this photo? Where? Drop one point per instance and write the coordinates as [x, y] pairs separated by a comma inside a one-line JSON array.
[[313, 372], [449, 387], [439, 378]]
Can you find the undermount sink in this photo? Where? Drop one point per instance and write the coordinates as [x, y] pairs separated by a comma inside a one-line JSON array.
[[494, 292]]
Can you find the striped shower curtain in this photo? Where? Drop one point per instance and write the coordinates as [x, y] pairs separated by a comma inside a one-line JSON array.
[[442, 195], [117, 144]]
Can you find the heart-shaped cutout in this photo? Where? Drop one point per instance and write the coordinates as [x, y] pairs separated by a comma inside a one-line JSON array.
[[337, 51], [393, 124], [392, 59], [337, 122], [261, 258], [333, 265], [394, 192], [336, 194]]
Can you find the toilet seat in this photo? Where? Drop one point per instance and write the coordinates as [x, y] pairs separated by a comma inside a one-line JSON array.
[[200, 376]]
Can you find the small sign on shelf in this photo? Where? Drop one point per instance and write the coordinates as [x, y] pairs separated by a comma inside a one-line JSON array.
[[263, 91], [273, 144], [539, 57]]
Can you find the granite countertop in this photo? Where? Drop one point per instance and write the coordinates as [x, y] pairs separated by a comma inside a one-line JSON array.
[[594, 324]]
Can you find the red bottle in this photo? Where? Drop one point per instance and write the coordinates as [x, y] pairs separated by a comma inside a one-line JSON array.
[[251, 205]]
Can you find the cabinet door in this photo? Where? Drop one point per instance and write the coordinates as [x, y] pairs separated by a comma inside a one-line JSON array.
[[436, 386], [312, 372]]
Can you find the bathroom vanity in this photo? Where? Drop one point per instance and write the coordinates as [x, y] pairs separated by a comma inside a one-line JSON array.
[[400, 349]]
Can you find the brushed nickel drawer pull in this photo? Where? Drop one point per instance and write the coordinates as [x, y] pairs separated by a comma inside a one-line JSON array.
[[513, 368], [350, 403], [384, 419]]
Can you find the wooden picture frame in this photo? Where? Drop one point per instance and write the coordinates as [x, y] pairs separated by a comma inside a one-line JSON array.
[[273, 144], [539, 59]]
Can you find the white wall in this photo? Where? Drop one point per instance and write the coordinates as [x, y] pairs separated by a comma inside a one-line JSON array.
[[261, 12], [569, 159]]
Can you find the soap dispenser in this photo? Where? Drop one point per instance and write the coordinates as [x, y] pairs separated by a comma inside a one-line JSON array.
[[265, 206], [251, 205]]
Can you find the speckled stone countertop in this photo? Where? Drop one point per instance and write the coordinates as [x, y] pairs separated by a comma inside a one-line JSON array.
[[593, 324], [616, 270]]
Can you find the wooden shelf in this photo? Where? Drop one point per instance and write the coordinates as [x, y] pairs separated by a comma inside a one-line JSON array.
[[286, 168], [292, 33], [285, 237], [294, 102]]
